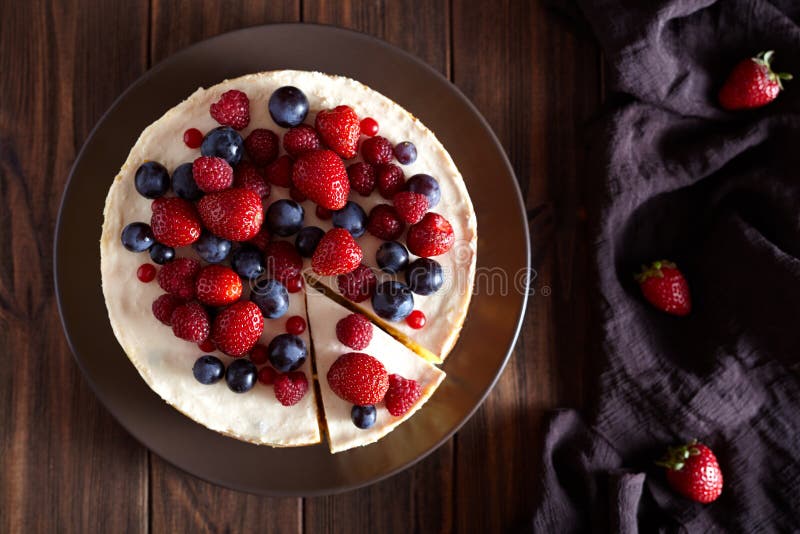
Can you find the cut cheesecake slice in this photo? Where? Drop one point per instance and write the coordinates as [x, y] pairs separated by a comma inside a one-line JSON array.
[[323, 315]]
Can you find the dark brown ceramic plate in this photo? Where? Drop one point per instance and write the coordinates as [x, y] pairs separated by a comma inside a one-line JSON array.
[[492, 324]]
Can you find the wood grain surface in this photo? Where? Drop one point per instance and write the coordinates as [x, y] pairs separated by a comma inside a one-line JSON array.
[[66, 465]]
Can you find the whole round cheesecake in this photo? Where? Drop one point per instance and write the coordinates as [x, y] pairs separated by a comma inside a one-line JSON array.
[[237, 201]]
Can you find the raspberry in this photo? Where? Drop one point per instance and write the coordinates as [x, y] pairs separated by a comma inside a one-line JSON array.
[[267, 375], [362, 178], [212, 174], [259, 354], [377, 150], [175, 222], [323, 213], [291, 388], [146, 272], [234, 214], [262, 146], [248, 176], [190, 322], [358, 285], [391, 180], [384, 222], [164, 305], [369, 127], [354, 331], [193, 138], [283, 261], [358, 378], [217, 285], [232, 109], [416, 319], [432, 236], [261, 239], [237, 328], [300, 139], [279, 172], [402, 394], [410, 206], [295, 325], [337, 253], [177, 277]]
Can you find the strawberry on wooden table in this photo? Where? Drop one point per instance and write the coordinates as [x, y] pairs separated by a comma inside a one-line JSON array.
[[665, 287], [693, 471], [752, 83]]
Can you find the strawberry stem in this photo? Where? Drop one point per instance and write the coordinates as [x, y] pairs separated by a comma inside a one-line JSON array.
[[675, 457], [765, 60]]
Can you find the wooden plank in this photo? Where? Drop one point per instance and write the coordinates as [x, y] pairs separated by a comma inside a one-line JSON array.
[[65, 465], [536, 82], [419, 499]]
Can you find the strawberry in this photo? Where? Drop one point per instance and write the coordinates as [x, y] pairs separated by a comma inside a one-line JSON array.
[[212, 174], [354, 331], [358, 378], [432, 236], [336, 253], [174, 222], [300, 139], [237, 328], [320, 175], [693, 471], [232, 109], [279, 172], [282, 260], [164, 305], [217, 285], [410, 206], [248, 176], [291, 387], [340, 129], [752, 83], [190, 322], [384, 222], [664, 286], [377, 150], [402, 394], [267, 375], [177, 277], [391, 180], [362, 178], [358, 285], [262, 146], [234, 214]]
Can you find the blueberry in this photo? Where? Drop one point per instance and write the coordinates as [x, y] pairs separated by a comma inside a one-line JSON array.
[[393, 301], [241, 375], [137, 237], [161, 254], [223, 142], [352, 218], [183, 183], [248, 262], [152, 179], [286, 352], [284, 217], [364, 416], [271, 297], [424, 276], [211, 248], [392, 257], [208, 369], [308, 239], [405, 152], [288, 106], [425, 184]]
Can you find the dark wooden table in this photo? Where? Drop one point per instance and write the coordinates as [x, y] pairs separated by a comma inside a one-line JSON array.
[[66, 465]]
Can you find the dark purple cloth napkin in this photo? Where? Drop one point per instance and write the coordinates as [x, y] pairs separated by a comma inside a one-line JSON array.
[[719, 194]]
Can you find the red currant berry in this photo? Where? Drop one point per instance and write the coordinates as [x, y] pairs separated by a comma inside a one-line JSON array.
[[146, 272], [293, 285], [193, 138], [295, 325], [207, 346], [369, 127], [324, 213], [267, 375], [416, 319], [258, 354]]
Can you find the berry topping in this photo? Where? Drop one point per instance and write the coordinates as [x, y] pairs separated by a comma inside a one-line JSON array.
[[362, 178], [377, 150], [211, 248], [248, 176], [664, 286], [369, 127], [248, 262], [295, 325], [293, 285], [193, 138], [693, 471], [183, 183], [137, 237], [241, 376], [337, 253], [234, 214], [217, 285], [300, 139], [385, 223], [358, 378], [163, 307], [232, 109], [212, 174], [207, 345], [405, 152], [162, 254], [392, 257], [291, 388], [321, 176], [177, 277], [402, 394], [287, 352], [288, 106], [190, 322], [279, 172], [340, 129], [391, 180], [410, 206], [261, 239], [354, 331], [297, 195], [267, 375], [393, 301], [225, 143], [258, 354], [175, 222], [151, 180], [285, 217], [307, 240], [416, 319], [323, 213], [357, 285], [283, 261], [146, 272], [352, 218], [425, 184], [752, 83], [262, 146], [208, 369], [237, 328], [424, 276], [271, 297], [432, 236], [364, 416]]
